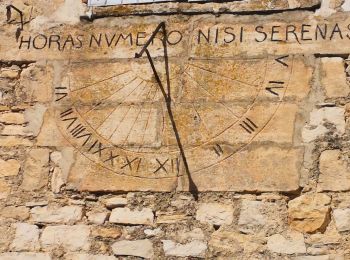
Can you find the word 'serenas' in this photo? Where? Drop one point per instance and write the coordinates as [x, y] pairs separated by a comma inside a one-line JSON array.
[[220, 34]]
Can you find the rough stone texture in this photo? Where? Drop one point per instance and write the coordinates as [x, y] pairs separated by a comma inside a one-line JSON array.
[[318, 117], [26, 238], [293, 244], [334, 77], [97, 217], [133, 217], [72, 238], [88, 257], [12, 212], [226, 243], [334, 172], [342, 219], [251, 216], [9, 168], [115, 202], [309, 213], [67, 214], [141, 248], [26, 256], [35, 169], [215, 213], [194, 248]]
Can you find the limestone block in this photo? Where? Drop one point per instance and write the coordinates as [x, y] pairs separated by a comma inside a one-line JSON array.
[[35, 173], [26, 256], [73, 238], [33, 204], [63, 159], [215, 213], [115, 202], [318, 117], [320, 257], [9, 167], [142, 248], [5, 189], [13, 212], [34, 116], [229, 243], [251, 216], [333, 77], [194, 248], [153, 232], [12, 118], [26, 238], [10, 141], [97, 218], [293, 244], [80, 256], [334, 172], [342, 219], [33, 82], [309, 213], [170, 217], [66, 214], [132, 217], [14, 130], [10, 73], [106, 232]]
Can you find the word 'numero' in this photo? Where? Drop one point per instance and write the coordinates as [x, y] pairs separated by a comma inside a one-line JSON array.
[[248, 125]]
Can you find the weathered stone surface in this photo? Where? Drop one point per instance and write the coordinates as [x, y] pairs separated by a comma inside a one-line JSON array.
[[5, 189], [334, 77], [228, 243], [293, 244], [26, 238], [309, 213], [142, 248], [63, 160], [334, 172], [132, 217], [18, 213], [33, 204], [106, 232], [76, 256], [14, 130], [251, 216], [256, 169], [215, 213], [72, 238], [318, 117], [9, 167], [195, 248], [35, 169], [170, 217], [26, 256], [97, 218], [66, 214], [11, 73], [342, 219], [115, 202], [12, 118], [34, 116]]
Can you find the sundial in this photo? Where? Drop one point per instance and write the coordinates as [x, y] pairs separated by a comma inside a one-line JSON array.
[[154, 117]]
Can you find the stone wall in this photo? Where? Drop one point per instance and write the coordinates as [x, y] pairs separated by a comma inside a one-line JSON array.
[[282, 191]]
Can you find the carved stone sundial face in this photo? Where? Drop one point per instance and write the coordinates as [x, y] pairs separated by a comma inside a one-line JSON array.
[[125, 119]]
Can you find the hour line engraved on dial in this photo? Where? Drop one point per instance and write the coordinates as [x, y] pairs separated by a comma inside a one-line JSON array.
[[280, 60]]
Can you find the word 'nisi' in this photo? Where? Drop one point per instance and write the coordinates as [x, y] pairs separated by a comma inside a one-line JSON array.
[[216, 35]]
